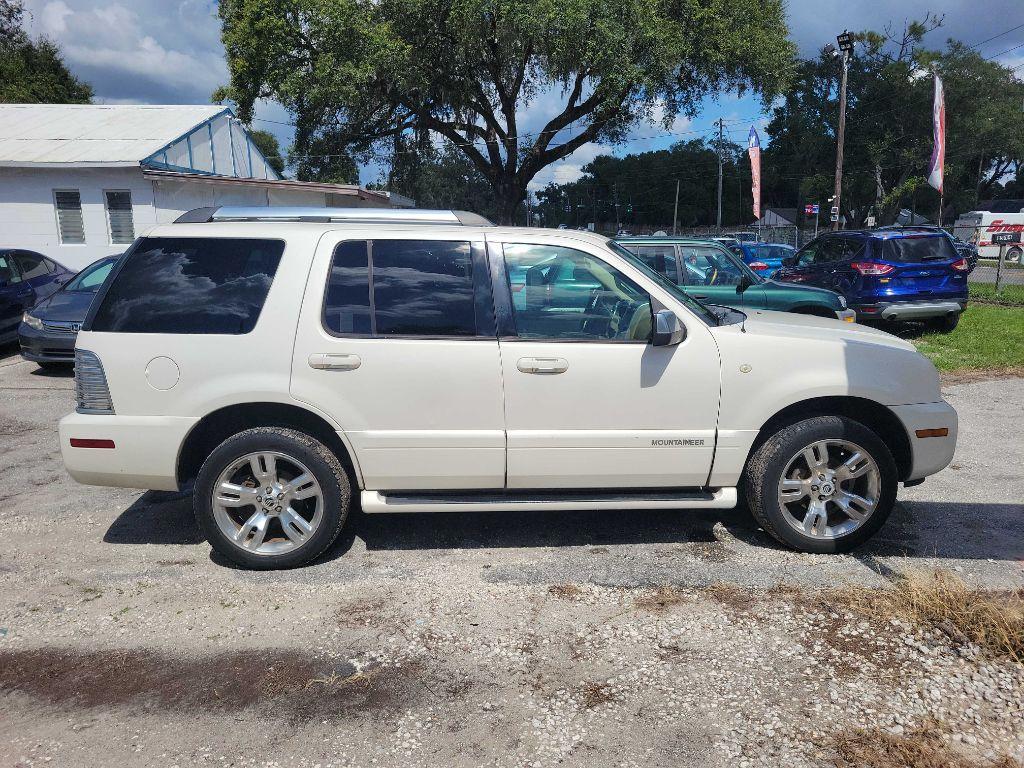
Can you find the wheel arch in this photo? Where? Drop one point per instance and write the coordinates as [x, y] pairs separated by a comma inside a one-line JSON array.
[[873, 415], [218, 425]]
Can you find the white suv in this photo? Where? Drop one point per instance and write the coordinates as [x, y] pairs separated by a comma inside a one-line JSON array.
[[284, 359]]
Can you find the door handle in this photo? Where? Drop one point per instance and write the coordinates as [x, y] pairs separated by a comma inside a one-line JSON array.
[[700, 296], [331, 361], [542, 365]]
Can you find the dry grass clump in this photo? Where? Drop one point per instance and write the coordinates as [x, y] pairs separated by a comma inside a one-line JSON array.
[[732, 596], [660, 600], [921, 747], [565, 591], [994, 621], [595, 694]]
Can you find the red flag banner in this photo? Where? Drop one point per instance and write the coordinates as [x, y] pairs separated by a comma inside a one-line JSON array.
[[754, 150], [935, 167]]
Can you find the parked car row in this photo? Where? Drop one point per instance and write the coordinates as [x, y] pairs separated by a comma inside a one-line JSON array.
[[26, 278]]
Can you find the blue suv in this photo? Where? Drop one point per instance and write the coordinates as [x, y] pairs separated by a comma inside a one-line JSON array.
[[887, 275]]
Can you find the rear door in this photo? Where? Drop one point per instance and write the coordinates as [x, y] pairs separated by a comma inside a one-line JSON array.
[[396, 342], [39, 273], [15, 296], [923, 268]]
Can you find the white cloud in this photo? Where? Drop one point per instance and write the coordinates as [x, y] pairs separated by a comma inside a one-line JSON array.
[[568, 169]]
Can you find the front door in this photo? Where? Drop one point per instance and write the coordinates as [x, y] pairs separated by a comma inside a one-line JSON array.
[[589, 402], [396, 342], [710, 275], [16, 296]]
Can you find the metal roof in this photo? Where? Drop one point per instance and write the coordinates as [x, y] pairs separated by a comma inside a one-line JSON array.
[[93, 134]]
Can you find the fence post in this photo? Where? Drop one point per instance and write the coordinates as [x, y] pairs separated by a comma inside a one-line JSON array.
[[999, 266]]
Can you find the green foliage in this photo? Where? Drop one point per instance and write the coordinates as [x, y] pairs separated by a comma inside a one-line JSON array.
[[889, 128], [440, 178], [32, 71], [267, 144], [357, 73], [326, 159]]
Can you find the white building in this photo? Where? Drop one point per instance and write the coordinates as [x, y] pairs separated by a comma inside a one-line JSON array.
[[78, 182]]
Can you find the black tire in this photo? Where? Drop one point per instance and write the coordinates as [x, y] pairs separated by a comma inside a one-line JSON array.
[[1014, 255], [946, 324], [764, 472], [321, 463]]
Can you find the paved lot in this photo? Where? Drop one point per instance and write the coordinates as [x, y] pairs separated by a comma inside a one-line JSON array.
[[583, 639]]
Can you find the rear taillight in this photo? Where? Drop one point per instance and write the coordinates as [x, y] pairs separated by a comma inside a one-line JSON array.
[[91, 390], [758, 266], [871, 268], [960, 265]]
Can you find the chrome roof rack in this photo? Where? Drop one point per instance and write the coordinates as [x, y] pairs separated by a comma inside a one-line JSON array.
[[327, 215]]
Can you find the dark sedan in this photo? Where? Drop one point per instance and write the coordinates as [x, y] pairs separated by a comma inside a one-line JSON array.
[[26, 278], [48, 331]]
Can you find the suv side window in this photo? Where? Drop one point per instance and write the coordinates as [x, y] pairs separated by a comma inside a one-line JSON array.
[[563, 294], [707, 266], [661, 258], [194, 285], [403, 288]]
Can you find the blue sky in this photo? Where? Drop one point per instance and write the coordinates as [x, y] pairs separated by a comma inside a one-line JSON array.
[[169, 52]]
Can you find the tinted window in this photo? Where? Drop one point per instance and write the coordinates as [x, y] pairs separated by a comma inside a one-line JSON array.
[[32, 266], [661, 258], [347, 302], [190, 285], [92, 277], [8, 274], [911, 249], [562, 293], [423, 288]]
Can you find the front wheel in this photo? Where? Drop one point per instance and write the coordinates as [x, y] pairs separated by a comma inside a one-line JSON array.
[[1013, 255], [271, 498], [822, 485]]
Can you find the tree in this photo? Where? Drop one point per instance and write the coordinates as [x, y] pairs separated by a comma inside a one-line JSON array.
[[439, 177], [360, 72], [889, 128], [32, 71], [267, 144]]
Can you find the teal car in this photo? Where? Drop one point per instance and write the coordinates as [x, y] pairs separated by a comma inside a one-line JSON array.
[[711, 273]]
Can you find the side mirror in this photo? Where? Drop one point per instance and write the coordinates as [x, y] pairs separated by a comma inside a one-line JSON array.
[[744, 283], [789, 261], [668, 330]]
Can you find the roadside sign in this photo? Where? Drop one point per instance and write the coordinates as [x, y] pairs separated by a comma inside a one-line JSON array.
[[835, 211], [871, 221], [1005, 237], [834, 216], [811, 209]]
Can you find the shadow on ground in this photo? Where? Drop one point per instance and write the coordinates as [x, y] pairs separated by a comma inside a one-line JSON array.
[[915, 529]]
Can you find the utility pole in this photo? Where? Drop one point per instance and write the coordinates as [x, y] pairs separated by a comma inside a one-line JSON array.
[[719, 219], [845, 41], [675, 210]]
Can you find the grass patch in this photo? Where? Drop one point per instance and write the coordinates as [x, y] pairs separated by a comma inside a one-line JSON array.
[[988, 337], [660, 600], [1009, 295], [922, 747], [994, 621]]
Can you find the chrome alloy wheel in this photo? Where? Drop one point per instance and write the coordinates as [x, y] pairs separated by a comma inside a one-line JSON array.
[[267, 503], [829, 489]]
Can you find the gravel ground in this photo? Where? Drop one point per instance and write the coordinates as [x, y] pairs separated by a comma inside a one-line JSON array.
[[578, 639]]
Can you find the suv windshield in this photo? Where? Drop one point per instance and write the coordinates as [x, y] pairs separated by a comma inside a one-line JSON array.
[[918, 248], [695, 306], [91, 278]]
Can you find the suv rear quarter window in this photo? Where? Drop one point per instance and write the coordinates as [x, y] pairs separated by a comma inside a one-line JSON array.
[[190, 285]]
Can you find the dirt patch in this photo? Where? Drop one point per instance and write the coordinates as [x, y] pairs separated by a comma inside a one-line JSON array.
[[565, 591], [365, 613], [921, 747], [660, 600], [733, 597], [596, 694], [952, 378], [290, 685]]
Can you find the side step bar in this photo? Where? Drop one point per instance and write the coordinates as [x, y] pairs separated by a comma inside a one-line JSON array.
[[375, 501]]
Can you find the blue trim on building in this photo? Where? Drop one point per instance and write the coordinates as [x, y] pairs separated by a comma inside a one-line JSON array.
[[165, 166], [213, 149], [248, 147], [231, 144], [189, 132], [191, 161]]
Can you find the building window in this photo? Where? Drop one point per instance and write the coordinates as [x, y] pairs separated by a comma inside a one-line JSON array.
[[70, 227], [119, 216]]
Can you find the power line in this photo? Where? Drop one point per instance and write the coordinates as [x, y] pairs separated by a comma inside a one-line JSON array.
[[990, 39]]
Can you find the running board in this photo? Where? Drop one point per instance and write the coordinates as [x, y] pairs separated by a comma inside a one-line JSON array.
[[496, 501]]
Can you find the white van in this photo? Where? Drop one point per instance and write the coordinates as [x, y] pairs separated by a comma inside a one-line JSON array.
[[978, 227], [285, 360]]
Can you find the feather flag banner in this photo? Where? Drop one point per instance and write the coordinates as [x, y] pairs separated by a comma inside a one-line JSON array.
[[754, 150], [935, 167]]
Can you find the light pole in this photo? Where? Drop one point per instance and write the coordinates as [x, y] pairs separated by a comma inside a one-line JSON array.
[[845, 41]]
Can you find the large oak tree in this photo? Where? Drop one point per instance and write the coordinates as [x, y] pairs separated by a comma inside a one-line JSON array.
[[370, 74]]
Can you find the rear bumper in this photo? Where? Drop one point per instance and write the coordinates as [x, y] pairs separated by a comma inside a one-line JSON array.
[[43, 347], [910, 310], [928, 454], [145, 452]]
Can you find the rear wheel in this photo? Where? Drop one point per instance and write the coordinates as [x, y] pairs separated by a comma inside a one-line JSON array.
[[1013, 255], [271, 498], [945, 324], [825, 484]]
